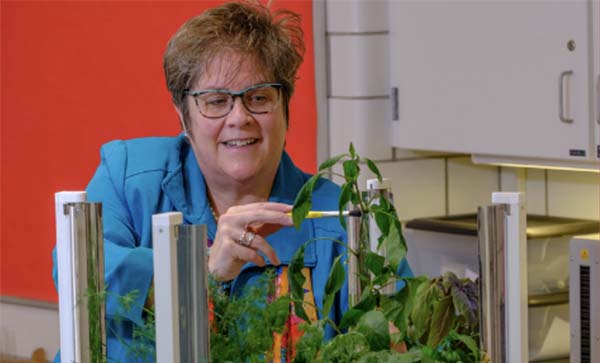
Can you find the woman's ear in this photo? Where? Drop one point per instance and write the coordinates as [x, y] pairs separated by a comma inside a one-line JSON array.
[[181, 121]]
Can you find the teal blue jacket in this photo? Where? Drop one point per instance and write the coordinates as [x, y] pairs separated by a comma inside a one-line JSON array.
[[141, 177]]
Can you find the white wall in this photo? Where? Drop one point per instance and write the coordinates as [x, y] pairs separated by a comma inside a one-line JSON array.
[[28, 325], [424, 185]]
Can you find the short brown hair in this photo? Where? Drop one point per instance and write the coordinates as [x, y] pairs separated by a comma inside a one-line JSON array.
[[274, 38]]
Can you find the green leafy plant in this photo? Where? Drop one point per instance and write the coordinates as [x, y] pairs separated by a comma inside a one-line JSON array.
[[244, 326], [142, 345], [428, 320], [431, 320], [242, 329], [95, 303]]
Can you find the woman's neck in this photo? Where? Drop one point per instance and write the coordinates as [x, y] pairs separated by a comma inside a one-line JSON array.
[[222, 197]]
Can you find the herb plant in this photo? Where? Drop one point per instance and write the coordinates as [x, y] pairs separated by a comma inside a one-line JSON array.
[[142, 345], [430, 320], [244, 326], [427, 320]]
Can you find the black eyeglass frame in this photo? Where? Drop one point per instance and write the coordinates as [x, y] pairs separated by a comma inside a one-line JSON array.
[[233, 95]]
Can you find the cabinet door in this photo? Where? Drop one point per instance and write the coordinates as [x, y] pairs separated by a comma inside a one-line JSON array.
[[484, 77], [596, 76]]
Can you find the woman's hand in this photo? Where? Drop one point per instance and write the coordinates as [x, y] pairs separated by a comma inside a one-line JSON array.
[[241, 235]]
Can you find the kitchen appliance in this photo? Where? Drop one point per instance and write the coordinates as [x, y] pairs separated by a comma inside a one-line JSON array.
[[584, 300], [436, 245]]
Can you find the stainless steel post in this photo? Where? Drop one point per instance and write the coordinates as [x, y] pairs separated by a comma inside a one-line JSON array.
[[375, 191], [87, 279], [354, 225], [503, 278], [491, 281], [193, 294], [181, 290]]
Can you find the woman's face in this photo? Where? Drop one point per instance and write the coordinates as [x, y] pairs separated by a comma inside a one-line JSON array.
[[240, 146]]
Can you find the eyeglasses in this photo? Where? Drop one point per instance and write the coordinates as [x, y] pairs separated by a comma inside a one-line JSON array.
[[258, 99]]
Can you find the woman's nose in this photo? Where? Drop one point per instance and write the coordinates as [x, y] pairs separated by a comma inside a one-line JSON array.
[[239, 114]]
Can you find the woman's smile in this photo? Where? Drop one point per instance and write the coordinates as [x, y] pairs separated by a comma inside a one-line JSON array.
[[239, 143]]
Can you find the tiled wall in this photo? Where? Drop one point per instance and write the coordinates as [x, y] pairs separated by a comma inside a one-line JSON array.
[[356, 44]]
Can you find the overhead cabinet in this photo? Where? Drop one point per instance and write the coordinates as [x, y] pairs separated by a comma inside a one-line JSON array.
[[503, 80]]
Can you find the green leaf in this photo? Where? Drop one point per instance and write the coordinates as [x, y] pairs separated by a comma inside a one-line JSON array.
[[345, 196], [407, 297], [303, 201], [374, 262], [449, 280], [441, 322], [335, 281], [355, 198], [394, 247], [428, 355], [387, 276], [364, 278], [463, 305], [468, 341], [351, 151], [310, 343], [351, 170], [374, 169], [392, 309], [367, 302], [388, 356], [421, 313], [385, 203], [383, 221], [331, 162], [344, 348], [296, 281], [277, 313], [350, 317], [413, 334], [375, 328], [428, 294]]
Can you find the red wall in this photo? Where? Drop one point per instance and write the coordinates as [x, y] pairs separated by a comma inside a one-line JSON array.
[[78, 74]]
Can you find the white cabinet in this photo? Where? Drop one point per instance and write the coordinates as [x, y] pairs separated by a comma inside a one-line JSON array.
[[501, 79]]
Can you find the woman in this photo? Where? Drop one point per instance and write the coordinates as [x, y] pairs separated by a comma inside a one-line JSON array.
[[231, 73]]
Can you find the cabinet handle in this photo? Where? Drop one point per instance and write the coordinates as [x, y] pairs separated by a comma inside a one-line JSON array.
[[395, 106], [553, 298], [598, 99], [564, 96]]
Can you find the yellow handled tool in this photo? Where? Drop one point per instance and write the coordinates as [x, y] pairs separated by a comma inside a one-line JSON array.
[[324, 213]]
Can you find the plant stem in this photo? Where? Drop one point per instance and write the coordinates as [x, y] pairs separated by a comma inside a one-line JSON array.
[[333, 325]]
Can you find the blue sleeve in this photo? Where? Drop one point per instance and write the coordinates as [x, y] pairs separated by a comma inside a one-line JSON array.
[[404, 270], [127, 265]]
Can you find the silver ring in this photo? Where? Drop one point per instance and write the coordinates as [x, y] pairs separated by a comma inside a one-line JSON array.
[[246, 238]]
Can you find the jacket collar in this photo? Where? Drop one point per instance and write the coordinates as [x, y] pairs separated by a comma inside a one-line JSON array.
[[186, 189]]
